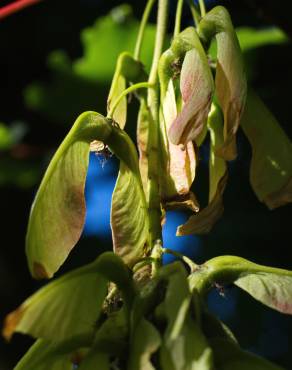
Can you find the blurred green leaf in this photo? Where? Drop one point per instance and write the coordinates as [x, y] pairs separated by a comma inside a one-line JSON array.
[[6, 139], [75, 85]]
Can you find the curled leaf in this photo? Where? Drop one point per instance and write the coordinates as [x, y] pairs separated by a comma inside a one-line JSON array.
[[230, 82], [271, 164], [196, 85], [58, 212], [203, 222], [179, 162]]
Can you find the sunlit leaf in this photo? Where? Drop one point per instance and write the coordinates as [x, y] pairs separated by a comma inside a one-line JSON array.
[[144, 342], [196, 85], [271, 164], [203, 222], [44, 355], [58, 212], [229, 356], [70, 305], [230, 76], [57, 215]]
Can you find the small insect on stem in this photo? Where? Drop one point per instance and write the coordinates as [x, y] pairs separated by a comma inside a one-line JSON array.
[[220, 288], [101, 150]]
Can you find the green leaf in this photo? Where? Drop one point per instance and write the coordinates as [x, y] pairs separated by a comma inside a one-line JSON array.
[[144, 342], [44, 355], [274, 289], [58, 211], [71, 305], [229, 356], [230, 80], [271, 164]]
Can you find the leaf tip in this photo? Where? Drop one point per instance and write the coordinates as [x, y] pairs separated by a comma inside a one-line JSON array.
[[39, 271], [11, 321]]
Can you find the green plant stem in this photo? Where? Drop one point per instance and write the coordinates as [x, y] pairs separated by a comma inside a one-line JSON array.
[[127, 91], [195, 12], [154, 207], [143, 24], [202, 8], [178, 15], [192, 265]]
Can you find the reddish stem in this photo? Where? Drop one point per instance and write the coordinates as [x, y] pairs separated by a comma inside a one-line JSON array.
[[15, 7]]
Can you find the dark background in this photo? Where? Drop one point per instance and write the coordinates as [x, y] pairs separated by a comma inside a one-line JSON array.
[[248, 228]]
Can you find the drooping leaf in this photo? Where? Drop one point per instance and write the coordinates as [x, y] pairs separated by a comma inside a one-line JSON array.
[[145, 341], [203, 222], [271, 164], [272, 289], [230, 80], [179, 162], [196, 85], [229, 356], [57, 214], [70, 305], [45, 355]]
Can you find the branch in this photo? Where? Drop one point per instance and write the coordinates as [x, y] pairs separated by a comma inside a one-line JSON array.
[[15, 7]]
